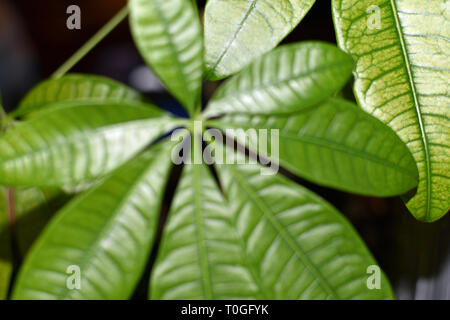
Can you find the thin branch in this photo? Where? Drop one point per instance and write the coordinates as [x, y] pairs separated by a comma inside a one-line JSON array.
[[91, 43], [11, 206]]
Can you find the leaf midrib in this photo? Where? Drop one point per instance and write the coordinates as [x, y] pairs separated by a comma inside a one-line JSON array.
[[201, 242], [424, 140]]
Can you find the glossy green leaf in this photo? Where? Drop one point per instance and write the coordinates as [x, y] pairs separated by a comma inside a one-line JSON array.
[[106, 232], [289, 78], [76, 143], [238, 31], [333, 144], [401, 49], [272, 239], [19, 205], [168, 35], [196, 237], [75, 87]]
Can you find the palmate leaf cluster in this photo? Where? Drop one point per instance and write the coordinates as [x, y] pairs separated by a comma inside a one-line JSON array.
[[235, 234]]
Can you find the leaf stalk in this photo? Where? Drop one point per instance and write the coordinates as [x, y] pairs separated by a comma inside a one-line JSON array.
[[91, 43]]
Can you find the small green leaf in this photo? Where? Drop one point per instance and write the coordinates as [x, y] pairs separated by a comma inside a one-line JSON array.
[[75, 87], [238, 31], [107, 232], [401, 49], [272, 239], [334, 144], [73, 142], [289, 78], [168, 35]]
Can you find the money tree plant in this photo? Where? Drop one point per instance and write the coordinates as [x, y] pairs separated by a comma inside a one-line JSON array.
[[233, 230]]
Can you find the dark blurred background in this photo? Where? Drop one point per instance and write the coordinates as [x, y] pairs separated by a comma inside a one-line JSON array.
[[34, 42]]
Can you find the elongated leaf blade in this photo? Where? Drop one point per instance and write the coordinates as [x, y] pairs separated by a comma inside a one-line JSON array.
[[168, 35], [303, 246], [401, 49], [291, 77], [200, 256], [238, 31], [106, 232], [272, 239], [76, 143], [75, 87], [333, 144]]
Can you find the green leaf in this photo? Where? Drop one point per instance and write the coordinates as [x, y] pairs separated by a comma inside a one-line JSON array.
[[2, 111], [333, 144], [74, 142], [289, 78], [32, 208], [75, 87], [272, 239], [238, 31], [402, 76], [6, 259], [168, 35], [107, 232], [192, 238], [5, 120]]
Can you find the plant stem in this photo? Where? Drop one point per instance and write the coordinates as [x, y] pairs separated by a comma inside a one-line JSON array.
[[11, 207], [91, 43]]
